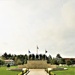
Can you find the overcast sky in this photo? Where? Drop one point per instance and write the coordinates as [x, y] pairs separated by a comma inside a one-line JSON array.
[[50, 24]]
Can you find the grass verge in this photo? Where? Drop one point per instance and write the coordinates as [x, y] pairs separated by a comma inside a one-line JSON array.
[[70, 71], [4, 71]]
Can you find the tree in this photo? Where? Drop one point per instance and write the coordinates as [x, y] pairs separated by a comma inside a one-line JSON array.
[[1, 62], [37, 56], [54, 61], [72, 61], [49, 59], [15, 59], [58, 56], [9, 56], [59, 59], [26, 58], [44, 57], [30, 57], [63, 61], [5, 55], [33, 57], [18, 62], [40, 56]]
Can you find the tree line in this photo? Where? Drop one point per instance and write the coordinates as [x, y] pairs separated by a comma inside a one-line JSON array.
[[22, 59]]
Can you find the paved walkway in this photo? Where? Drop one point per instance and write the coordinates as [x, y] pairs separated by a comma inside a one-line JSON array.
[[37, 72]]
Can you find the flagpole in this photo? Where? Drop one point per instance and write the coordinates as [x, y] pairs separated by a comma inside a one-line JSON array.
[[37, 50], [45, 53], [28, 54]]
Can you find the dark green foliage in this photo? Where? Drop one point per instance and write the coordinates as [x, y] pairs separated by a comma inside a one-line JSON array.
[[23, 72], [69, 62], [49, 59], [40, 56], [72, 61], [33, 57], [22, 59], [54, 61], [5, 55], [37, 56], [58, 56], [44, 57], [63, 61], [51, 73], [1, 62], [30, 57], [8, 65]]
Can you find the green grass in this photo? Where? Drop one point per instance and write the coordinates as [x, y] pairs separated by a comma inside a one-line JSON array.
[[70, 71], [3, 71]]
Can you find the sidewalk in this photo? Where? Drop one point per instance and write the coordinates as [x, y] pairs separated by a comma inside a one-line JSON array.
[[37, 72]]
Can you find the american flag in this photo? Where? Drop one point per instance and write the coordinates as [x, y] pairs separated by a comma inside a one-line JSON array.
[[37, 47], [45, 51], [29, 51]]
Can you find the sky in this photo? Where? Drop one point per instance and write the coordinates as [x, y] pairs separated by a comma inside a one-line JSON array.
[[48, 24]]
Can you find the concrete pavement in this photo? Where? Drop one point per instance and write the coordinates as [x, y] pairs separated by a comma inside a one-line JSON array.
[[37, 72]]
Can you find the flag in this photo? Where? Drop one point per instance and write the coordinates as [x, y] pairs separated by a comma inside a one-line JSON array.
[[29, 51], [45, 51], [37, 47]]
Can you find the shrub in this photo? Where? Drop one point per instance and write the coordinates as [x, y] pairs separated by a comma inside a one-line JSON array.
[[51, 73], [23, 72], [8, 65]]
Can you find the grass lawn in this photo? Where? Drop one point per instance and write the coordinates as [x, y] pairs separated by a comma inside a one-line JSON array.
[[3, 71], [70, 71]]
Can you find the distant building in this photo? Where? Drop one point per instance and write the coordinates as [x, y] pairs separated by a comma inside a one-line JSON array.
[[69, 58], [11, 62]]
